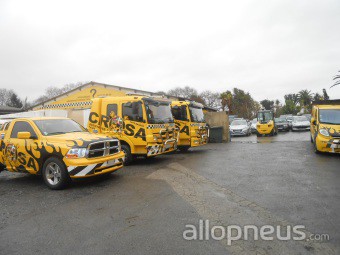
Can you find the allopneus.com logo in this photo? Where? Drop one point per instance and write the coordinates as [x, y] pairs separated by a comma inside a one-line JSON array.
[[204, 231]]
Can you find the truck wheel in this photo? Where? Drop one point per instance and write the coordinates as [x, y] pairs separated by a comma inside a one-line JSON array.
[[128, 155], [54, 174], [183, 148], [311, 139]]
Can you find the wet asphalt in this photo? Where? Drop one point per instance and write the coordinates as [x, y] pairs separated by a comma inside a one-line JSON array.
[[143, 208]]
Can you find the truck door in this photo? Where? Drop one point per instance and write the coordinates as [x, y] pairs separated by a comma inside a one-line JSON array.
[[20, 152], [134, 122], [181, 117]]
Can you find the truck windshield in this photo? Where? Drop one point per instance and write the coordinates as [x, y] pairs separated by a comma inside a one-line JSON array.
[[330, 116], [265, 117], [58, 126], [158, 112], [196, 114]]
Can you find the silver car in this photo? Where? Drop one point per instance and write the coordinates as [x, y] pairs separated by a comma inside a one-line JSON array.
[[300, 123], [240, 127]]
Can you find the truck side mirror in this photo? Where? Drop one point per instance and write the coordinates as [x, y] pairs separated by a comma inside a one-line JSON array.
[[313, 120], [24, 135]]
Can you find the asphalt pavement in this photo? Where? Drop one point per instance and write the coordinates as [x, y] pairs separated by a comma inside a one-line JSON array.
[[144, 208]]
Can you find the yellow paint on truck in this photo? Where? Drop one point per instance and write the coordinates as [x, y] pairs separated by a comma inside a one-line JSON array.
[[28, 143], [190, 121], [147, 127], [325, 126]]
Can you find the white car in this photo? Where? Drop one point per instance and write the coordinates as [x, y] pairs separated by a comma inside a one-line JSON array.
[[300, 123], [239, 127]]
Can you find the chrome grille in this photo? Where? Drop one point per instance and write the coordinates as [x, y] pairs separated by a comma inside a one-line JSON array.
[[104, 148]]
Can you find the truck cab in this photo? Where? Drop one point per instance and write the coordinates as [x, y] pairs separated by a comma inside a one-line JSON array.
[[189, 118], [325, 126], [266, 123], [147, 129], [59, 149]]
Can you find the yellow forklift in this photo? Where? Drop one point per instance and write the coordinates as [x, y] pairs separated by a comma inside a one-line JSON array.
[[266, 123]]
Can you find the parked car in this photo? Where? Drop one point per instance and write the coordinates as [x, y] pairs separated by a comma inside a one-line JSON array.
[[289, 119], [300, 123], [253, 125], [282, 124], [308, 116], [240, 127]]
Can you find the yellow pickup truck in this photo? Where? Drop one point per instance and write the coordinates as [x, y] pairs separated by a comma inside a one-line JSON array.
[[59, 149]]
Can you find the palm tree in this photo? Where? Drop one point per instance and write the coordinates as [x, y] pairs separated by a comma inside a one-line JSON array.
[[336, 77], [305, 97], [226, 101]]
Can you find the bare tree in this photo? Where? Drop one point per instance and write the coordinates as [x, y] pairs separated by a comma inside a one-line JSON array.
[[211, 99]]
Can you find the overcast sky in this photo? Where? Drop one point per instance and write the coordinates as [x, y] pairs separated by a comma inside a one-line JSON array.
[[268, 48]]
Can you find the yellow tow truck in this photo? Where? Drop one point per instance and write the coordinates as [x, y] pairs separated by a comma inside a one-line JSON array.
[[325, 126], [189, 118], [266, 123], [59, 149], [146, 123]]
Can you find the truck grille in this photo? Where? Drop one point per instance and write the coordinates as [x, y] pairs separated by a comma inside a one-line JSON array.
[[105, 148], [165, 135]]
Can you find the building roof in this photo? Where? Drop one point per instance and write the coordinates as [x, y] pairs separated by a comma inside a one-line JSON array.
[[5, 108], [93, 83], [124, 89]]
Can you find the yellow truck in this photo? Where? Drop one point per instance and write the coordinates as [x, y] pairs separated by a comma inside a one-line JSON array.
[[325, 126], [266, 123], [147, 127], [189, 119], [59, 149]]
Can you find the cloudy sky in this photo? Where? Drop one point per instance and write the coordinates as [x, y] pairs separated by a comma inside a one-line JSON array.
[[269, 48]]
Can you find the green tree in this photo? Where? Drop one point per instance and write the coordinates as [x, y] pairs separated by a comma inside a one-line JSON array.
[[267, 104], [325, 95], [15, 101], [305, 97], [292, 97]]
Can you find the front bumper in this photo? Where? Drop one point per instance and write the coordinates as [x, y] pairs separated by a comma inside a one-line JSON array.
[[238, 132], [326, 144], [300, 128], [80, 168], [199, 141], [157, 149], [264, 130], [283, 128]]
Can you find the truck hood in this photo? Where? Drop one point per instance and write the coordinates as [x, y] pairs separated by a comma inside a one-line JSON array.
[[78, 139], [333, 130]]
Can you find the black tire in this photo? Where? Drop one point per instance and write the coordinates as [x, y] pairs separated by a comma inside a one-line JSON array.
[[272, 132], [183, 148], [55, 174], [258, 135], [311, 139], [128, 156]]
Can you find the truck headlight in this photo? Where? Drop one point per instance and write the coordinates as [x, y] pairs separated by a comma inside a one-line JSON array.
[[324, 132], [76, 153], [155, 138]]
